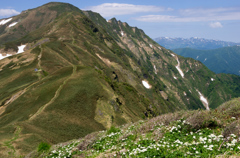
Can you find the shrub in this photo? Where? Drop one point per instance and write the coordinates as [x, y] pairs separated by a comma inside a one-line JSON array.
[[44, 147], [113, 130]]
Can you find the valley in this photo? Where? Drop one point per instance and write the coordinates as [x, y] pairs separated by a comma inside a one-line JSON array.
[[74, 73], [221, 60]]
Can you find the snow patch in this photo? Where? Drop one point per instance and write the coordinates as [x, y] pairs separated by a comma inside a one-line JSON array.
[[5, 21], [12, 24], [146, 84], [122, 33], [2, 57], [212, 79], [179, 69], [155, 69], [20, 50], [203, 100]]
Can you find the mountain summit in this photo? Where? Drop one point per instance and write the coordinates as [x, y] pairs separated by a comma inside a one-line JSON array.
[[78, 73]]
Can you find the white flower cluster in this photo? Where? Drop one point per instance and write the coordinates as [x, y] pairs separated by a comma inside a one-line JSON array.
[[63, 151], [233, 141], [141, 149], [111, 135]]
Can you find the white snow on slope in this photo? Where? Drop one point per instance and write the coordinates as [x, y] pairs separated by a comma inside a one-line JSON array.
[[146, 85], [203, 100], [2, 57], [155, 69], [122, 33], [5, 21], [179, 69], [20, 50], [12, 24]]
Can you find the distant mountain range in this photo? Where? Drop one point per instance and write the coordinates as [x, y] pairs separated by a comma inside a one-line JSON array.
[[221, 60], [66, 73], [193, 42]]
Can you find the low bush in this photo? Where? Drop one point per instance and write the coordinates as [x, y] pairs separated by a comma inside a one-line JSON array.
[[44, 147]]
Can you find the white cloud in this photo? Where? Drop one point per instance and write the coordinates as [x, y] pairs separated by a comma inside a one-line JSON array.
[[206, 12], [195, 15], [112, 9], [215, 25], [8, 12]]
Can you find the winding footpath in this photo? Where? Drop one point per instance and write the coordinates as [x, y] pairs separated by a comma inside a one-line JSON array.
[[56, 93], [9, 143]]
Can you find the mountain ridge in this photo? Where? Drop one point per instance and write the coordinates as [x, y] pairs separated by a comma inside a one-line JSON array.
[[193, 42], [80, 74]]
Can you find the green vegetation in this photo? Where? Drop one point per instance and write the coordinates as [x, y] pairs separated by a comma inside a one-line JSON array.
[[180, 134], [221, 60], [44, 147], [81, 75], [113, 130]]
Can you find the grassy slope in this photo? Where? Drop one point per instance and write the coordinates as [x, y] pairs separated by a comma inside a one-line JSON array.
[[77, 100], [33, 19], [92, 83], [181, 134]]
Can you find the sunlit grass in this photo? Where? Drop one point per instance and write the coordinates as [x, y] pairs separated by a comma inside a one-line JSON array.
[[178, 140]]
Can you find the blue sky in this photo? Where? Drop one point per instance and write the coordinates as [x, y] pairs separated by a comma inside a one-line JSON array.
[[211, 19]]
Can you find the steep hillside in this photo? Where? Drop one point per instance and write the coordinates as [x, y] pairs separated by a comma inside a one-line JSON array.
[[79, 74], [222, 60], [193, 42]]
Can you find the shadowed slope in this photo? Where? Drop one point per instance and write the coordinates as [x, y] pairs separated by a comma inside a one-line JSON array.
[[80, 73]]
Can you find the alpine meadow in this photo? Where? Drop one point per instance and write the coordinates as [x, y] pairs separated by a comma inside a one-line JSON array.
[[73, 84]]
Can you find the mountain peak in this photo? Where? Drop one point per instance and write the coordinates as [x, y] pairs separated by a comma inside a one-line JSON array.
[[79, 74], [32, 19]]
